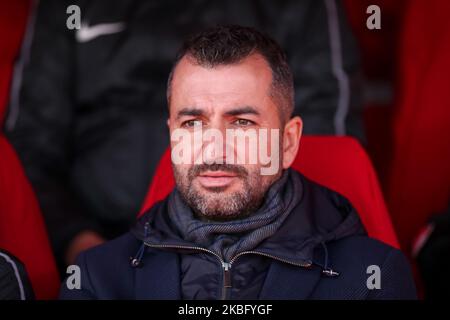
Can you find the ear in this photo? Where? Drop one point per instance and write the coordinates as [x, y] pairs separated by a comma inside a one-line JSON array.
[[291, 140], [168, 123]]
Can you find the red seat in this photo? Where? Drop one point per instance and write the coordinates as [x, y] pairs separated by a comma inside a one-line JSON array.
[[13, 16], [419, 184], [339, 163], [22, 230]]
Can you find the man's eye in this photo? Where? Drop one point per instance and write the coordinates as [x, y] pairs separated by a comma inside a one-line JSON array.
[[243, 122], [191, 123]]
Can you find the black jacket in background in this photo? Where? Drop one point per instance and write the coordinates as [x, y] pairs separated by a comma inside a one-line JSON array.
[[88, 116], [14, 282]]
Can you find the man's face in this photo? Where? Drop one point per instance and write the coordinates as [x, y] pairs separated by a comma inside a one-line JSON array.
[[224, 184]]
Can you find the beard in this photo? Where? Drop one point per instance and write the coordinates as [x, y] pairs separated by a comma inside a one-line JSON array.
[[214, 203]]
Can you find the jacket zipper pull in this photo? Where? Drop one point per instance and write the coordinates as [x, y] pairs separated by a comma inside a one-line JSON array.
[[226, 274], [226, 279]]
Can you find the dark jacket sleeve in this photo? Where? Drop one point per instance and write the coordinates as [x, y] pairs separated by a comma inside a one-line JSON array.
[[324, 58], [14, 281], [397, 281], [40, 120]]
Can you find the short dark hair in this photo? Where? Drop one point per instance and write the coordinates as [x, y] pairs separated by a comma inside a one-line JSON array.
[[229, 44]]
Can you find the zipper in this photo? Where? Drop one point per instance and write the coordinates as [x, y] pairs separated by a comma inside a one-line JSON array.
[[226, 266], [226, 282], [304, 265], [175, 246]]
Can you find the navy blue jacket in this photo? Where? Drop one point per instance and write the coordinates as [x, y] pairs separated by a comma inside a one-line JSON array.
[[323, 232]]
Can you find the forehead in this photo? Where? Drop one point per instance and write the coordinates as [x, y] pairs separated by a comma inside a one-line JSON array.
[[245, 83]]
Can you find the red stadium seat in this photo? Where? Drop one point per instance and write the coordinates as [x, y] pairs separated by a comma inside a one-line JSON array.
[[22, 230], [339, 163], [13, 16], [419, 184]]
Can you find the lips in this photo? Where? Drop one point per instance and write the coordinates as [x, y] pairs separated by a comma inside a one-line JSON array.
[[215, 179]]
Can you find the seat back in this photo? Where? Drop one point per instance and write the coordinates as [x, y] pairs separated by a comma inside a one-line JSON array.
[[22, 229], [419, 181]]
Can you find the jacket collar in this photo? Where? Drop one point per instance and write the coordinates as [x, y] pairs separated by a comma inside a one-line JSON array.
[[321, 216]]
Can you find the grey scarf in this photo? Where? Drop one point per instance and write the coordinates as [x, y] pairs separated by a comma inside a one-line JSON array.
[[232, 237]]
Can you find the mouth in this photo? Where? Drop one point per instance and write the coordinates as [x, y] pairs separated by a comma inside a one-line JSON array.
[[217, 179]]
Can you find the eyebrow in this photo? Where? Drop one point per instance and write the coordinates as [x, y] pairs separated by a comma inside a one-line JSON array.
[[193, 112], [242, 110]]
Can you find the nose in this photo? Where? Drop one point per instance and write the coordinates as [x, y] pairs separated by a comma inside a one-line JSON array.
[[216, 148]]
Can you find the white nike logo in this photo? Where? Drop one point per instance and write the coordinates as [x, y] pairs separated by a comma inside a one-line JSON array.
[[87, 33]]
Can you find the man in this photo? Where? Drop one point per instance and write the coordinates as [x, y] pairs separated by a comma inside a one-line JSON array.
[[235, 228]]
